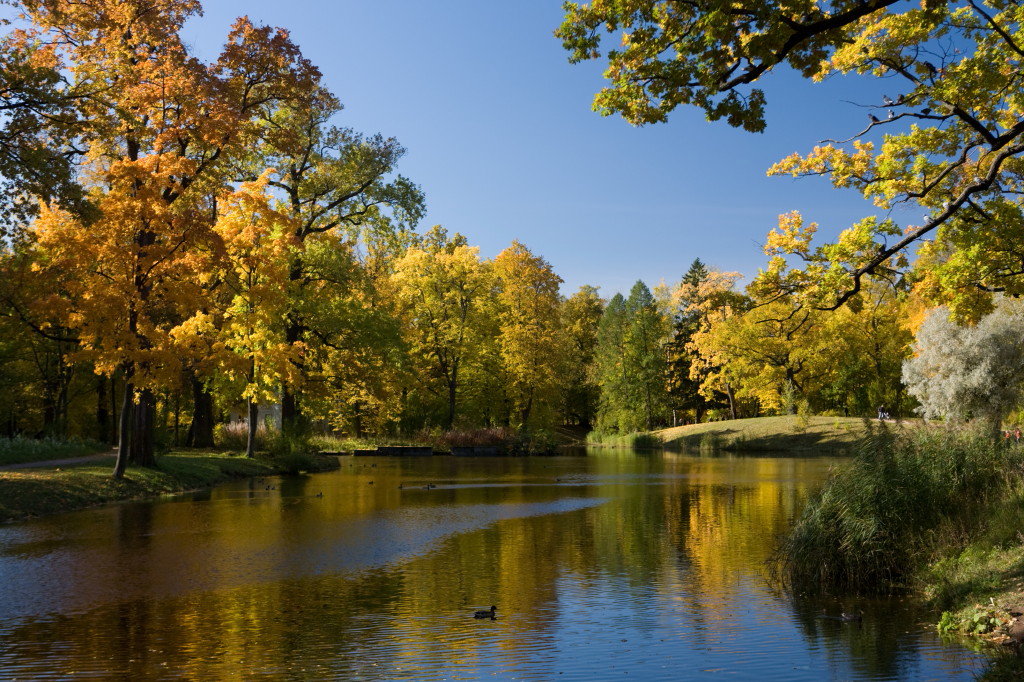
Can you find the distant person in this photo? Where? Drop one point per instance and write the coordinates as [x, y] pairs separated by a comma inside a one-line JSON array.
[[1016, 434], [881, 413]]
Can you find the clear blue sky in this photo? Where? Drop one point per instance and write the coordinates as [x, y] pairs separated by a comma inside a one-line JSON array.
[[502, 139]]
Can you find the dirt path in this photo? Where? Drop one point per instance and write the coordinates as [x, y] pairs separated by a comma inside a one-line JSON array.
[[70, 461]]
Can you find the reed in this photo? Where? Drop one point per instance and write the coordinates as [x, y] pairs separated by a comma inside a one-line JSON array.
[[902, 500]]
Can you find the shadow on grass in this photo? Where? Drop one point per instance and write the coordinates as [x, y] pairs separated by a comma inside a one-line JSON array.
[[736, 440]]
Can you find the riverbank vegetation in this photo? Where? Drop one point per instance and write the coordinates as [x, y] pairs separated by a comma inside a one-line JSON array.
[[922, 495], [37, 492]]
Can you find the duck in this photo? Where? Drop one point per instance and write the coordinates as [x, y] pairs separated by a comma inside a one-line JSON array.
[[844, 616], [486, 614]]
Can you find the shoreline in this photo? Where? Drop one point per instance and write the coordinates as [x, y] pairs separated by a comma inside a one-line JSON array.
[[28, 493]]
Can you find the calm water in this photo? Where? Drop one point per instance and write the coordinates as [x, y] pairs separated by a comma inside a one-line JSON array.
[[608, 566]]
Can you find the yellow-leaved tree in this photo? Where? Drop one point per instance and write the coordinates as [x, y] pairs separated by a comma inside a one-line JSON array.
[[948, 136], [531, 339], [443, 289]]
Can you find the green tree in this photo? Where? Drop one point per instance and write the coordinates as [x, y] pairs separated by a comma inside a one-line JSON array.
[[643, 343], [630, 364], [609, 369]]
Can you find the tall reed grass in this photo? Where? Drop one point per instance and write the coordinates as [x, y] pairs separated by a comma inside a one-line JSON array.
[[901, 499]]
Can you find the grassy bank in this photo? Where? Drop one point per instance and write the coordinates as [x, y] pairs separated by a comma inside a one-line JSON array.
[[509, 440], [35, 492], [788, 434], [931, 511]]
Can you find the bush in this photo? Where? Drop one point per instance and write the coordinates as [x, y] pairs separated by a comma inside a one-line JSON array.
[[885, 514], [501, 435]]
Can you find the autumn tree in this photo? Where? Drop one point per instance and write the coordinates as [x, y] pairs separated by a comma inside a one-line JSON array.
[[952, 123], [869, 340], [712, 302], [683, 387], [40, 128], [158, 145], [339, 189], [581, 315], [444, 289], [769, 352], [530, 336], [251, 259]]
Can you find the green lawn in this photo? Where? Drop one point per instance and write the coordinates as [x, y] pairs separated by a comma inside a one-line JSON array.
[[768, 434], [38, 491], [19, 450]]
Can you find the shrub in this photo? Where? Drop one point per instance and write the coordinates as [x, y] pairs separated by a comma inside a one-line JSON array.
[[885, 514]]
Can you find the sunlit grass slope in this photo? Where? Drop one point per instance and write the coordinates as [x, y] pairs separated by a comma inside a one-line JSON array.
[[769, 434]]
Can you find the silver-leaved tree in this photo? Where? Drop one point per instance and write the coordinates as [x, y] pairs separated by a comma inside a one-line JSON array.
[[964, 373]]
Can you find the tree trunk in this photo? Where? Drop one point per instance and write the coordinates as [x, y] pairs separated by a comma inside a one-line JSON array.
[[142, 425], [49, 409], [200, 431], [252, 421], [732, 400], [292, 421], [451, 405], [291, 416], [177, 414], [124, 430], [102, 415]]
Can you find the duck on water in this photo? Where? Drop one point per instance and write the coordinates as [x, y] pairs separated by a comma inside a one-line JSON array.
[[486, 614], [844, 617]]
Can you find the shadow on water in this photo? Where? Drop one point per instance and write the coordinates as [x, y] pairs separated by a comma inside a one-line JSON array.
[[600, 566]]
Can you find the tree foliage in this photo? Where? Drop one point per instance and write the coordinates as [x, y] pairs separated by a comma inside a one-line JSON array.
[[953, 129], [964, 372]]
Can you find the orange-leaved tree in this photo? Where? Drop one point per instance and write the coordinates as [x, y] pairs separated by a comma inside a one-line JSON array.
[[162, 128]]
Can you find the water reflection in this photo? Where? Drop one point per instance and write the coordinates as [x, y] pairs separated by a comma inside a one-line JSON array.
[[605, 566]]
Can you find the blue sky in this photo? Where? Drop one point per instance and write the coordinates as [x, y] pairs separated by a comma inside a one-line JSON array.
[[502, 139]]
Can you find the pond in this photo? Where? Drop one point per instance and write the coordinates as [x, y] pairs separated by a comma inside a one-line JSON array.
[[608, 565]]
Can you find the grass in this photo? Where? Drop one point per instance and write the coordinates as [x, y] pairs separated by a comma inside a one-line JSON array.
[[932, 511], [35, 492], [18, 450], [639, 441], [511, 440], [769, 434]]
